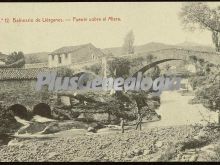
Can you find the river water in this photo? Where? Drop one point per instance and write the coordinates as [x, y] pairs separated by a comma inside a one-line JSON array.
[[175, 110]]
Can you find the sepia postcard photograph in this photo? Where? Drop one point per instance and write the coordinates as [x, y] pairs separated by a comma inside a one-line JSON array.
[[110, 82]]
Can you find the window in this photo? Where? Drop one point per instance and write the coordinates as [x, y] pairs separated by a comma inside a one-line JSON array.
[[66, 56], [52, 57], [59, 59]]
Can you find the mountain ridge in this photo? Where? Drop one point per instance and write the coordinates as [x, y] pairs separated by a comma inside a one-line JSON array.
[[153, 46]]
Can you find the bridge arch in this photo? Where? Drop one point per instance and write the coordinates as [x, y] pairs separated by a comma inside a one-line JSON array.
[[20, 111], [42, 109]]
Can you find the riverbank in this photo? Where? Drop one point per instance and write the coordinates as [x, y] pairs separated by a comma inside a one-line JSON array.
[[152, 144], [184, 133]]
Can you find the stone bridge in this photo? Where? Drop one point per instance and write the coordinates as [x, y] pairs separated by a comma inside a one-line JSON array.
[[17, 90], [17, 86]]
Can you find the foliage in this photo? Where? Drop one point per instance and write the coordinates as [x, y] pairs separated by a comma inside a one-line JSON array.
[[211, 94], [16, 58], [206, 86], [96, 68], [198, 15], [197, 81], [119, 67], [154, 72], [64, 71], [150, 58], [7, 121], [193, 59], [136, 64]]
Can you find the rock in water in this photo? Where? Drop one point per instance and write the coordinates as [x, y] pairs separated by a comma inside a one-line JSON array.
[[91, 129], [51, 128]]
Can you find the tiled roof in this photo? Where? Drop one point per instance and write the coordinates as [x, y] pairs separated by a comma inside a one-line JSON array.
[[21, 74], [67, 49]]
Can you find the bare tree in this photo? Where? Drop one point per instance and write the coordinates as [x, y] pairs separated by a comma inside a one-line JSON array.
[[128, 45], [198, 15]]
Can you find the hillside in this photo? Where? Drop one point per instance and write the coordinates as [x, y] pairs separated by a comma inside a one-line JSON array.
[[40, 57], [154, 46], [3, 56]]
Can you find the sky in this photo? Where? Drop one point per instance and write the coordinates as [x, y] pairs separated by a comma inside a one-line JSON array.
[[150, 22]]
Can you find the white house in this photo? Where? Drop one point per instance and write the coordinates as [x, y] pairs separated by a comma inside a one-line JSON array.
[[74, 54]]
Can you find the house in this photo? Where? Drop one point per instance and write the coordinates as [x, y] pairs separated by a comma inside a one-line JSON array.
[[74, 55]]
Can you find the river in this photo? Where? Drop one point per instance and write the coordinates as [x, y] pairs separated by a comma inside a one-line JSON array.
[[175, 110]]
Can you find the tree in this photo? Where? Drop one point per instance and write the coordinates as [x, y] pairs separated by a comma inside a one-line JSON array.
[[15, 59], [128, 45], [150, 58], [198, 15], [96, 68], [154, 72], [119, 67]]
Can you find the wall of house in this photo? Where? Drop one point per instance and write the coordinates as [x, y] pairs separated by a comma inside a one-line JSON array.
[[85, 54], [53, 60]]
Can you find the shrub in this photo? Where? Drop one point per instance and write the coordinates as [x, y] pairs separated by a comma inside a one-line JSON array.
[[8, 124], [96, 68]]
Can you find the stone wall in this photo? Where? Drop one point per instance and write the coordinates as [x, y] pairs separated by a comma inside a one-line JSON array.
[[23, 92]]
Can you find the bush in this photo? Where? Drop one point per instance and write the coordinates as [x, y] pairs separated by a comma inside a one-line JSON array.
[[66, 72], [197, 81], [119, 67], [96, 68], [8, 124], [15, 59]]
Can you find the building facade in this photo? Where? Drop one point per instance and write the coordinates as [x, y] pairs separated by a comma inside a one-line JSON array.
[[71, 55]]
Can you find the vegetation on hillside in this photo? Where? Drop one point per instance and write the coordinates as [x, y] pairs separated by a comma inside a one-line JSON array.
[[206, 83], [14, 60], [8, 124]]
